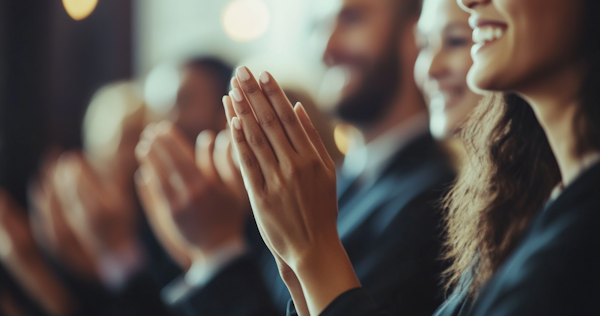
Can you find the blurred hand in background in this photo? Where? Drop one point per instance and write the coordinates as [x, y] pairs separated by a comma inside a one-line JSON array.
[[50, 227], [203, 195], [25, 262]]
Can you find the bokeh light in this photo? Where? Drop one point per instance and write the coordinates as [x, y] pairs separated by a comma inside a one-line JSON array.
[[246, 20], [79, 9], [160, 88]]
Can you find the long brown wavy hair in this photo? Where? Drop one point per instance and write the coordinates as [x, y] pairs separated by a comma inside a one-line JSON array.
[[510, 171]]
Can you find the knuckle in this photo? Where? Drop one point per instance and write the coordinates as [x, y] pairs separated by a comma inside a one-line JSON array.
[[239, 138], [248, 161], [315, 165], [268, 120], [244, 110], [251, 89], [257, 140], [293, 170], [270, 91], [288, 117]]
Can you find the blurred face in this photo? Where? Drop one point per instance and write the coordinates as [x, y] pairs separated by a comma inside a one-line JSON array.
[[444, 36], [198, 104], [363, 44], [519, 43]]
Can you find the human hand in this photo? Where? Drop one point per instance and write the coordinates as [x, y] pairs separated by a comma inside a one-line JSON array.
[[50, 227], [101, 215], [204, 196], [290, 180], [24, 261]]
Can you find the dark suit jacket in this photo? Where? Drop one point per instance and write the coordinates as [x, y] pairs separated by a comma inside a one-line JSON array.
[[555, 271], [391, 231]]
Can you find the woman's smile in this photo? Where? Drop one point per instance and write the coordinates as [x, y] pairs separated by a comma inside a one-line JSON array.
[[486, 32]]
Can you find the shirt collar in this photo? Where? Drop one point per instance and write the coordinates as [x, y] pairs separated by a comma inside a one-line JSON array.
[[586, 163], [366, 161]]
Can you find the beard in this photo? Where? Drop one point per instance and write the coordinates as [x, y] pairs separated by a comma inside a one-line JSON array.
[[372, 100]]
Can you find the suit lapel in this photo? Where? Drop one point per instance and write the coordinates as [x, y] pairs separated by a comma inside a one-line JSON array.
[[399, 178]]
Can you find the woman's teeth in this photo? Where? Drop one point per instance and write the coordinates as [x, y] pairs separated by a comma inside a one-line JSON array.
[[486, 34]]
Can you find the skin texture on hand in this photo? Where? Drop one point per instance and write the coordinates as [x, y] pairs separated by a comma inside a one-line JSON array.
[[198, 197], [290, 180], [24, 261]]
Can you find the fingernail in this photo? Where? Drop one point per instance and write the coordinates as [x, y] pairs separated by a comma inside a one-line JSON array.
[[222, 139], [203, 137], [243, 73], [237, 95], [264, 77], [233, 83], [236, 123]]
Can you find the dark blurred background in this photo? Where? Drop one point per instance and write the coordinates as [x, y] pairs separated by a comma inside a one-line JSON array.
[[50, 65]]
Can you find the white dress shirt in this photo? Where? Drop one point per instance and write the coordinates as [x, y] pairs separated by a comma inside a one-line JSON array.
[[366, 161]]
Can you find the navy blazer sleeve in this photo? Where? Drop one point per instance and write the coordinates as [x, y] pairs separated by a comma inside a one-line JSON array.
[[237, 290]]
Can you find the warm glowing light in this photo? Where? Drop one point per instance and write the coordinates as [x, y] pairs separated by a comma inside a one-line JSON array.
[[80, 9], [246, 20], [346, 137]]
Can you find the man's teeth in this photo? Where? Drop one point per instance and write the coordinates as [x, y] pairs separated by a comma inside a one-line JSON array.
[[487, 34]]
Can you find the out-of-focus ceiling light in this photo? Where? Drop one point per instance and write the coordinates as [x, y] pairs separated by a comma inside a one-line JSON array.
[[246, 20], [79, 9]]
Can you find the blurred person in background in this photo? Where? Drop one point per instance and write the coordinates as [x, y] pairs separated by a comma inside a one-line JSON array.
[[23, 259], [387, 188], [445, 40], [84, 212]]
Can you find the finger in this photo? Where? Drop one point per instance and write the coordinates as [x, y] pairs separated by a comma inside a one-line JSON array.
[[177, 153], [169, 182], [313, 135], [230, 113], [285, 112], [256, 142], [143, 146], [251, 171], [255, 137], [224, 163], [205, 147], [264, 112]]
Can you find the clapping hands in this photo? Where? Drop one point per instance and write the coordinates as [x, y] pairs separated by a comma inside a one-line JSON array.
[[290, 180]]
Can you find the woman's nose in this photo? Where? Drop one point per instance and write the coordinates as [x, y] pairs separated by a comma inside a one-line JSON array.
[[468, 5]]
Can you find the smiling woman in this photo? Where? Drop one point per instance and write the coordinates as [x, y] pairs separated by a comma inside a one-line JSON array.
[[523, 217]]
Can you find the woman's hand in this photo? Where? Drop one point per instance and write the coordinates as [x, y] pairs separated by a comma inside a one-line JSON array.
[[290, 179]]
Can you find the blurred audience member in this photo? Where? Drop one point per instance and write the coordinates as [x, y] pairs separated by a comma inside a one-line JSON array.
[[24, 261], [204, 81], [445, 38], [86, 212]]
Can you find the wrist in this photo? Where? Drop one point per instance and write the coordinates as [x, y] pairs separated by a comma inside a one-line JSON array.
[[117, 266], [325, 273], [206, 264]]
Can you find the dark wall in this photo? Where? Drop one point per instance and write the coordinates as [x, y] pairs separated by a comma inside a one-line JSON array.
[[50, 65]]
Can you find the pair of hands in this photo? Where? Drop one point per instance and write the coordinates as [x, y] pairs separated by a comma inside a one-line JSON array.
[[81, 218], [290, 179], [25, 262], [194, 199]]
